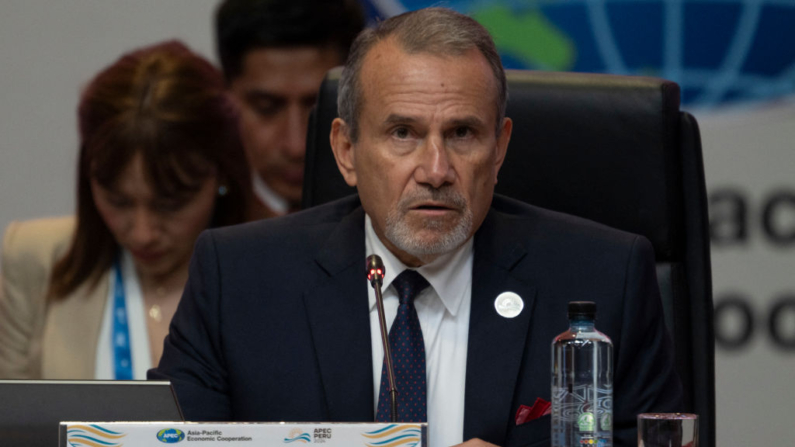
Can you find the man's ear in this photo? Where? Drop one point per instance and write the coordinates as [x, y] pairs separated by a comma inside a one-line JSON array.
[[502, 145], [342, 146]]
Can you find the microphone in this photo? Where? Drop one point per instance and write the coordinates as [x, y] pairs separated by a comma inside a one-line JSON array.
[[375, 273]]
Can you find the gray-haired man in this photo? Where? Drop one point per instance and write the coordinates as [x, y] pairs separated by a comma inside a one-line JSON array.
[[277, 322]]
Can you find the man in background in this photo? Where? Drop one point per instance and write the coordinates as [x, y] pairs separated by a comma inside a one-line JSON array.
[[274, 55]]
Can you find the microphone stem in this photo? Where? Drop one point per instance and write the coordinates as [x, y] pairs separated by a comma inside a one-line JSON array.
[[387, 351]]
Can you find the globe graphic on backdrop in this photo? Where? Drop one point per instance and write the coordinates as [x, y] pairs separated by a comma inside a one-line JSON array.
[[720, 52]]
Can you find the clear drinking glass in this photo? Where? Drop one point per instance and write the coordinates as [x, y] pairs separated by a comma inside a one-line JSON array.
[[667, 430]]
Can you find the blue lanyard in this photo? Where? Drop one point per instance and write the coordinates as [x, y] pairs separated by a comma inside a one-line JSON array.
[[122, 355]]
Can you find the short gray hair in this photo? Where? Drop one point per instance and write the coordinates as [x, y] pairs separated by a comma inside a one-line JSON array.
[[438, 31]]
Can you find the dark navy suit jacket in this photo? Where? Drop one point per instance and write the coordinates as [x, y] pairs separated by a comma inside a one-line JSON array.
[[274, 322]]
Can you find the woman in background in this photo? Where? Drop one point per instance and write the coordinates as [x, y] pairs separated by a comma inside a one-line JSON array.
[[91, 296]]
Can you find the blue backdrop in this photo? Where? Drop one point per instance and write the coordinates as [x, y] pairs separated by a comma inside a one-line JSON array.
[[719, 51]]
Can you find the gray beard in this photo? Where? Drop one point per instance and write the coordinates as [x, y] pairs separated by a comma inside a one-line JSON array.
[[402, 236]]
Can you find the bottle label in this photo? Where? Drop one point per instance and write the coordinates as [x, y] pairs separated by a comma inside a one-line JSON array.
[[606, 421], [588, 411], [585, 421], [584, 407]]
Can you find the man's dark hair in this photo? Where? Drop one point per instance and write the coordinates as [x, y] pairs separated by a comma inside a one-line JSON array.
[[245, 25]]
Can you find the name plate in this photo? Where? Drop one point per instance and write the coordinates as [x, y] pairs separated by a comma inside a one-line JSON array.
[[234, 434]]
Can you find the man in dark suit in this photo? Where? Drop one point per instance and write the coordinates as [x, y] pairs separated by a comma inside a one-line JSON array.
[[277, 321]]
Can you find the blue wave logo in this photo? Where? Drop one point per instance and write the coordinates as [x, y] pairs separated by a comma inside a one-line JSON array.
[[394, 435], [297, 435], [93, 436], [170, 435]]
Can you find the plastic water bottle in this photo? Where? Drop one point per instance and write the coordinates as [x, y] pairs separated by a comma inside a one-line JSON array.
[[582, 382]]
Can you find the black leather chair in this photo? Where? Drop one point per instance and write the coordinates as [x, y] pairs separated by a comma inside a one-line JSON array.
[[614, 149]]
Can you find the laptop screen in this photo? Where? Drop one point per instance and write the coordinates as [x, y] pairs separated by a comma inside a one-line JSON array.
[[31, 410]]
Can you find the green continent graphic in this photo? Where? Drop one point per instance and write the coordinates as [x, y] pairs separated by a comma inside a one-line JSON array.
[[529, 37]]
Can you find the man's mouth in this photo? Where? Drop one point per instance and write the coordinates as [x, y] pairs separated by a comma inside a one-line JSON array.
[[433, 208], [294, 176]]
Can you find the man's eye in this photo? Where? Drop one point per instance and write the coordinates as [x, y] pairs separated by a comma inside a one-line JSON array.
[[265, 109], [401, 132], [462, 132]]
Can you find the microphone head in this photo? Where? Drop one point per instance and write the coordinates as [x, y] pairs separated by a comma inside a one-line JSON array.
[[375, 269]]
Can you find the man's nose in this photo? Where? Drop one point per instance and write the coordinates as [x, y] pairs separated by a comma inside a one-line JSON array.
[[294, 134], [434, 166]]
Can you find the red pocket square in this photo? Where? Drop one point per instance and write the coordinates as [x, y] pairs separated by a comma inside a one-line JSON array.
[[526, 414]]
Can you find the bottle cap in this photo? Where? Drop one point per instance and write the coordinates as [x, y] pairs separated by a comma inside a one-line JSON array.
[[582, 310]]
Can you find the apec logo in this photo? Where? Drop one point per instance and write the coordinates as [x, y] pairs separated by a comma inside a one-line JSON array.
[[297, 435], [170, 435]]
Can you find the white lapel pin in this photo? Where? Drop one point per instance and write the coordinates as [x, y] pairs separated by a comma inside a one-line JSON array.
[[508, 304]]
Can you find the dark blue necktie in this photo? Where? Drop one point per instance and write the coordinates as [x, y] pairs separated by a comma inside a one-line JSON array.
[[408, 355]]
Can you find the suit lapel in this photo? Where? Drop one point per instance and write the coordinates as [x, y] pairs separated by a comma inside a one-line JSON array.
[[338, 314], [496, 344]]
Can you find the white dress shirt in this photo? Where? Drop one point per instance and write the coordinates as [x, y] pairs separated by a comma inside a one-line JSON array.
[[443, 311], [267, 196]]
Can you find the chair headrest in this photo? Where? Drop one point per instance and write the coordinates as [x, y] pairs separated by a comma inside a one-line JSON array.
[[603, 147]]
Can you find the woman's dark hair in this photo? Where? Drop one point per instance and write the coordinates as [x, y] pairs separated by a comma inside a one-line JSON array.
[[169, 105]]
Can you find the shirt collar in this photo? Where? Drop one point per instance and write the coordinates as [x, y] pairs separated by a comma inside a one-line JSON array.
[[267, 196], [449, 274]]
